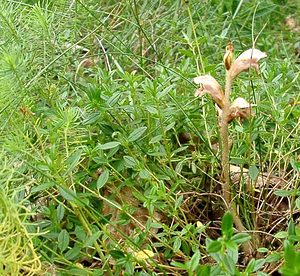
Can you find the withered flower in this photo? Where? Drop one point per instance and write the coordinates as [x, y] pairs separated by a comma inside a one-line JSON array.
[[239, 108], [246, 60], [208, 84]]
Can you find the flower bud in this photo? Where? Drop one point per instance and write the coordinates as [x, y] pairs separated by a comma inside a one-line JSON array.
[[228, 55]]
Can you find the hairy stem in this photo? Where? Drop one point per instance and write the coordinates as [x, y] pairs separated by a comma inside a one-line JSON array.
[[227, 194]]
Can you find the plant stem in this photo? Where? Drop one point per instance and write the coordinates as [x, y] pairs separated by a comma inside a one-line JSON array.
[[225, 140], [227, 194]]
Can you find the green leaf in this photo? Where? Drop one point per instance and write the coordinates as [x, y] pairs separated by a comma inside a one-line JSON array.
[[291, 228], [233, 254], [178, 202], [100, 160], [108, 145], [214, 246], [42, 187], [90, 240], [136, 134], [129, 161], [295, 165], [102, 179], [60, 212], [283, 193], [179, 265], [194, 262], [298, 202], [151, 109], [281, 235], [73, 161], [80, 233], [260, 273], [203, 270], [250, 266], [73, 253], [263, 250], [291, 265], [164, 92], [144, 174], [117, 254], [63, 240], [253, 172], [70, 195], [156, 139], [241, 238], [67, 193], [258, 264], [227, 225], [43, 167], [78, 272], [229, 264], [273, 257], [176, 244], [229, 244]]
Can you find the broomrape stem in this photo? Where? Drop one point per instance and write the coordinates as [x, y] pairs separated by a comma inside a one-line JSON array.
[[225, 163], [225, 141]]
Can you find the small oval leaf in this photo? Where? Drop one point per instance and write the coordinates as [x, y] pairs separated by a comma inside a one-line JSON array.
[[136, 134], [102, 179], [253, 172], [227, 225], [241, 238], [63, 240], [214, 247], [109, 145], [129, 161]]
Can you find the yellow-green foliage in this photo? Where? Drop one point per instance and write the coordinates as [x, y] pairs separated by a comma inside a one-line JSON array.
[[17, 254]]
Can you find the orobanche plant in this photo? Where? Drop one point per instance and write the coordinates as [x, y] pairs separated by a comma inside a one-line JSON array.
[[228, 111]]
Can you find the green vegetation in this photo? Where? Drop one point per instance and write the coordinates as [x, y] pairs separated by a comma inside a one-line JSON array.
[[109, 163]]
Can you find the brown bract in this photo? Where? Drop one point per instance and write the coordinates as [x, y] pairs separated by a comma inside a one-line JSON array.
[[246, 60], [208, 84]]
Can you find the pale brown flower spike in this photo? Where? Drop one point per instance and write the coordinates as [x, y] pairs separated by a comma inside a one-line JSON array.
[[228, 112], [240, 108]]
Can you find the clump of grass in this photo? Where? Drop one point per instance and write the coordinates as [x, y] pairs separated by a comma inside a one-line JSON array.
[[18, 255]]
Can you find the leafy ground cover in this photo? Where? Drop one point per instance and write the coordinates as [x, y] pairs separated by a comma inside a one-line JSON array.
[[109, 163]]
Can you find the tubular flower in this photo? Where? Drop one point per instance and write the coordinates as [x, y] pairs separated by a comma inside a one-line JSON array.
[[208, 84], [247, 60], [239, 108]]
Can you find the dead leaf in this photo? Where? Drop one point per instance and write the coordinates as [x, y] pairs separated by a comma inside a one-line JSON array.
[[292, 24], [263, 180], [139, 213]]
